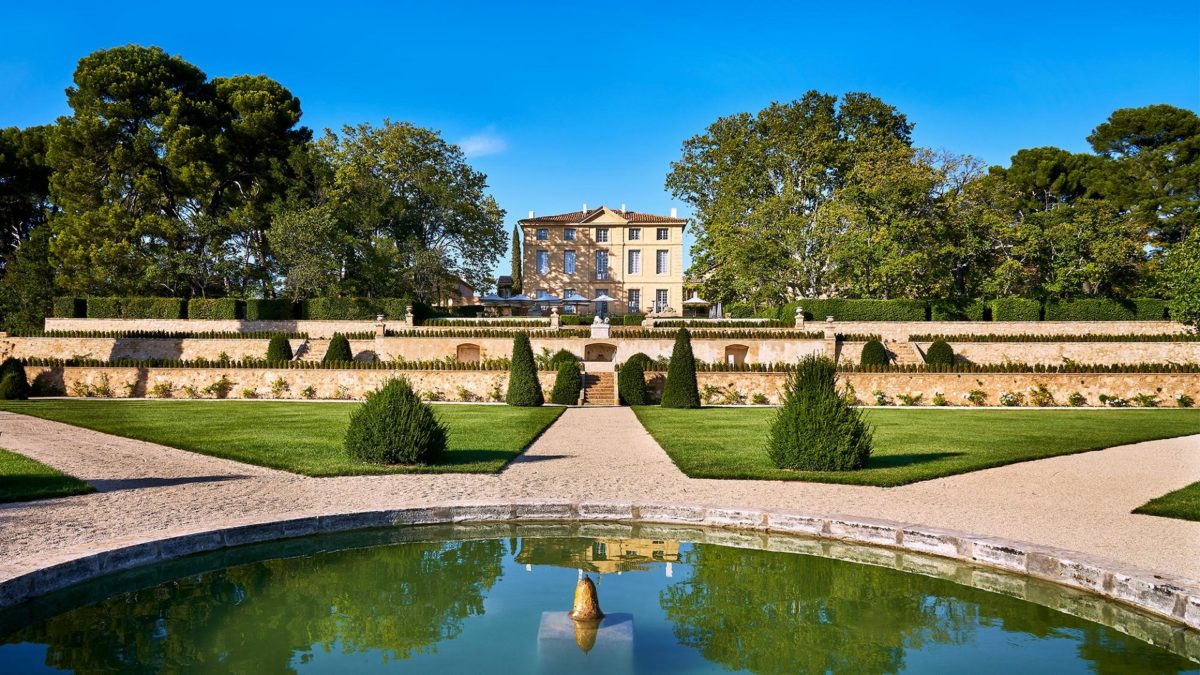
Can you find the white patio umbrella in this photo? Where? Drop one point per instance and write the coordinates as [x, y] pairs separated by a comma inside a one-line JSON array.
[[696, 301], [604, 297], [492, 298], [574, 298]]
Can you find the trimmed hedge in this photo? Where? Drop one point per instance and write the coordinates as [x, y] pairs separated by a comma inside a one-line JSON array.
[[136, 308], [960, 310], [1106, 309], [1016, 309], [394, 426], [270, 309], [680, 389], [353, 308], [631, 380], [567, 384], [874, 354], [633, 319], [562, 356], [857, 310], [216, 308], [523, 386], [70, 308], [816, 429], [338, 350], [14, 384], [1072, 337], [279, 349], [940, 353]]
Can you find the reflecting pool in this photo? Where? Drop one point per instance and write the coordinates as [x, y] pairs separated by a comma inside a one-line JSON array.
[[495, 599]]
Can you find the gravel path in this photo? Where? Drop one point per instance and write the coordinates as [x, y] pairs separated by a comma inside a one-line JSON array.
[[1078, 502]]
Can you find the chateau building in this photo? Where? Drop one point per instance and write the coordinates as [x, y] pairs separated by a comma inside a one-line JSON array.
[[634, 258]]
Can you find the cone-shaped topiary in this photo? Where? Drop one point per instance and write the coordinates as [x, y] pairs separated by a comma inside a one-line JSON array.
[[14, 384], [567, 384], [339, 350], [631, 380], [873, 354], [523, 386], [815, 429], [394, 426], [940, 353], [279, 349], [680, 390], [560, 357]]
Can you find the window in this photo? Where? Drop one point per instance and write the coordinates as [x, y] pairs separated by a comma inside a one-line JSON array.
[[660, 299], [601, 307], [602, 234], [543, 262], [569, 262], [663, 234], [635, 262], [601, 265], [568, 308], [569, 233], [635, 300], [543, 234], [635, 234], [662, 262]]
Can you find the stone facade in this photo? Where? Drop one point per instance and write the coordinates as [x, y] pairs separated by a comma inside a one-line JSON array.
[[613, 349], [314, 329], [901, 330], [1058, 353]]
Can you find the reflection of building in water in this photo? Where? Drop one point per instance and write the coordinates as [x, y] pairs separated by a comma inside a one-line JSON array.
[[598, 555]]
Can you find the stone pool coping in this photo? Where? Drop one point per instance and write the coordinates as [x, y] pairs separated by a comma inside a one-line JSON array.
[[1167, 597]]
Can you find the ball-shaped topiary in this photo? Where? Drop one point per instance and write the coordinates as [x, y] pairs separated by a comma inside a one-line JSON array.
[[680, 390], [874, 354], [560, 357], [523, 386], [631, 380], [567, 384], [940, 353], [279, 349], [339, 350], [14, 384], [394, 426], [816, 429]]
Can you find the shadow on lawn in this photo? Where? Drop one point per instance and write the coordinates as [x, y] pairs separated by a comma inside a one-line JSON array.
[[25, 487], [457, 456], [893, 461]]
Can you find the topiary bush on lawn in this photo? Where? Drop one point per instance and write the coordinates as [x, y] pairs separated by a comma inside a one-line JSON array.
[[560, 357], [393, 426], [339, 350], [940, 353], [14, 384], [631, 380], [873, 354], [567, 384], [680, 390], [279, 349], [523, 386], [816, 429]]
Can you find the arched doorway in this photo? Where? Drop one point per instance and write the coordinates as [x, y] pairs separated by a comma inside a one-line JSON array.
[[599, 352], [735, 355], [467, 353]]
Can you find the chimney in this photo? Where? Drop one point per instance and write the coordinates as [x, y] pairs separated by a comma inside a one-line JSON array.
[[674, 212], [585, 208], [531, 215], [622, 208]]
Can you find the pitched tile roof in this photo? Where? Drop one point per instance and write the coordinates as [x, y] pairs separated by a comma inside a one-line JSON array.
[[580, 216]]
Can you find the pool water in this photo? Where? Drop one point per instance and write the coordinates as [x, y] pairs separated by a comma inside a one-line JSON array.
[[446, 600]]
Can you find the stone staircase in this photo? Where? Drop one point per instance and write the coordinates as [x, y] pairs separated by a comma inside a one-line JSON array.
[[599, 389], [903, 352]]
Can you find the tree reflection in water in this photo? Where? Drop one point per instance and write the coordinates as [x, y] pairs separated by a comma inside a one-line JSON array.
[[258, 618]]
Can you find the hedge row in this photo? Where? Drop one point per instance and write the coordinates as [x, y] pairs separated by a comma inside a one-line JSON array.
[[486, 364], [711, 323], [717, 334], [1075, 337], [171, 335], [999, 309], [314, 309], [490, 323], [1015, 368]]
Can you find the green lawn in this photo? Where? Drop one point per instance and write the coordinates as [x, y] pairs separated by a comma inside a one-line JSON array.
[[304, 438], [1183, 503], [23, 479], [910, 445]]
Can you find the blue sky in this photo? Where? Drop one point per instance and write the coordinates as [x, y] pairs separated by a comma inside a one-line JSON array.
[[563, 103]]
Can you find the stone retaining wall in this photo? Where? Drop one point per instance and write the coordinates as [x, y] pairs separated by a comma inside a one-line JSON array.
[[1174, 599], [1058, 353], [705, 349], [316, 329], [900, 330], [955, 386]]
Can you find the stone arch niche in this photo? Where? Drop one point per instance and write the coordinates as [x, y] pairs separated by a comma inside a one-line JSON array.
[[736, 354], [467, 353], [599, 351]]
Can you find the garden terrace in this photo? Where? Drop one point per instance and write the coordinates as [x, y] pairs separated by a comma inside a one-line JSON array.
[[1084, 337]]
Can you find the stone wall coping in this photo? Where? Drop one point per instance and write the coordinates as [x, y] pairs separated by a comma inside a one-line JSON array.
[[1168, 597]]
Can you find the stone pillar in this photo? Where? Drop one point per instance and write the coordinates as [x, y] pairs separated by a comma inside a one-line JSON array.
[[799, 317], [831, 342], [553, 318], [408, 317]]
